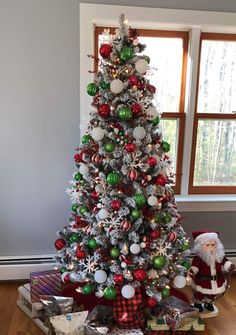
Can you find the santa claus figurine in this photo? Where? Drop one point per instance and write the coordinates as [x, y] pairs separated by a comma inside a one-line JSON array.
[[206, 274]]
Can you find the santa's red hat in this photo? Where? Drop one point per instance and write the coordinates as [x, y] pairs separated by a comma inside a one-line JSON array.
[[203, 235]]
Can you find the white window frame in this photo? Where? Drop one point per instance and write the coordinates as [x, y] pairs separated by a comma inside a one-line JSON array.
[[166, 19]]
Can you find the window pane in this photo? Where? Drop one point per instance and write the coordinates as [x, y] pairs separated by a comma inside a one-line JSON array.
[[215, 161], [166, 55], [170, 135], [217, 81]]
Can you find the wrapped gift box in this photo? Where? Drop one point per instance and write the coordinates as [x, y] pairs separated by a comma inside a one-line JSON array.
[[45, 283]]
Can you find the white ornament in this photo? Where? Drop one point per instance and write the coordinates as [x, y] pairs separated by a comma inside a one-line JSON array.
[[116, 86], [139, 133], [143, 245], [97, 133], [128, 291], [180, 281], [100, 276], [103, 214], [123, 265], [152, 273], [141, 66], [135, 248], [99, 205], [152, 111], [152, 200], [73, 276], [83, 169]]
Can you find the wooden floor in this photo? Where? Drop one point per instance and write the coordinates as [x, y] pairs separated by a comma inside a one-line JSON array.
[[14, 322]]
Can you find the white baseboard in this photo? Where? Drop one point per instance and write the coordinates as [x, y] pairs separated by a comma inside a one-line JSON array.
[[20, 267]]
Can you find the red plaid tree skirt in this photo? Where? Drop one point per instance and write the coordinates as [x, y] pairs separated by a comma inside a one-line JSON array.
[[129, 313]]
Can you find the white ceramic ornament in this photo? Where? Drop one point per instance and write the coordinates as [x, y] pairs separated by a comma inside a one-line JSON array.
[[135, 248], [123, 265], [100, 276], [128, 291], [152, 111], [152, 200], [141, 66], [152, 273], [116, 86], [180, 281], [139, 133], [73, 276], [83, 169], [143, 245], [97, 133], [103, 214]]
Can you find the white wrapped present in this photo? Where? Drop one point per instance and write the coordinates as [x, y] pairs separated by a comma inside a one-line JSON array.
[[69, 324]]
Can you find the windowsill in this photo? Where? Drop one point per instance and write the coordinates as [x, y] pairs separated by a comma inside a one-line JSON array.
[[206, 203]]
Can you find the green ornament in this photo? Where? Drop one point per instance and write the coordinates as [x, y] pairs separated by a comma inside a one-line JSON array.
[[63, 269], [113, 178], [78, 176], [140, 200], [167, 218], [186, 264], [92, 89], [125, 113], [156, 121], [110, 293], [165, 292], [121, 132], [109, 147], [92, 243], [74, 208], [126, 53], [88, 289], [158, 262], [74, 238], [104, 85], [165, 146], [83, 210], [157, 218], [114, 252], [185, 246], [136, 214], [86, 139]]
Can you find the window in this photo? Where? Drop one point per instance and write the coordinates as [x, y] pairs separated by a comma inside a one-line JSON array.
[[168, 61], [213, 159]]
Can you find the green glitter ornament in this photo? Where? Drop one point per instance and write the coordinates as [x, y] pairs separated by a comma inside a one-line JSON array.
[[88, 289], [78, 176], [74, 238], [158, 262], [165, 146], [126, 53], [92, 89], [140, 200], [83, 210], [110, 293], [86, 139], [125, 113], [113, 178], [104, 85], [92, 243]]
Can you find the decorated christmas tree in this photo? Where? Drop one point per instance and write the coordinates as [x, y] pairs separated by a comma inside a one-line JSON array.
[[124, 231]]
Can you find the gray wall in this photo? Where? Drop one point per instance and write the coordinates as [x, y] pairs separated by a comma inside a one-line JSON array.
[[39, 109]]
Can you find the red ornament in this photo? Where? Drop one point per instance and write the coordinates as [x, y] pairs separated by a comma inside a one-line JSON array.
[[151, 88], [66, 278], [77, 158], [161, 180], [94, 195], [118, 279], [80, 223], [115, 205], [104, 111], [133, 80], [133, 175], [97, 158], [130, 147], [140, 274], [125, 225], [80, 254], [60, 244], [172, 236], [155, 234], [136, 108], [105, 50], [151, 302], [95, 209], [151, 161]]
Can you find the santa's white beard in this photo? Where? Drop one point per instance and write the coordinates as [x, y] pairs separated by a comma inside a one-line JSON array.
[[208, 256]]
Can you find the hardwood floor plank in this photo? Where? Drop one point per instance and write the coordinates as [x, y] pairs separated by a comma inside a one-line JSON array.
[[14, 322]]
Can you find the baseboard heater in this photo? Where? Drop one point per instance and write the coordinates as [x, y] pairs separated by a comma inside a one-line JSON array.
[[19, 267]]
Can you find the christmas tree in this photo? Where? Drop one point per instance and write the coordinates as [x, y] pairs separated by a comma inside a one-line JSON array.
[[124, 230]]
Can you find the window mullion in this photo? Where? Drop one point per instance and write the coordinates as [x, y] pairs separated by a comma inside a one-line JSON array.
[[191, 87]]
